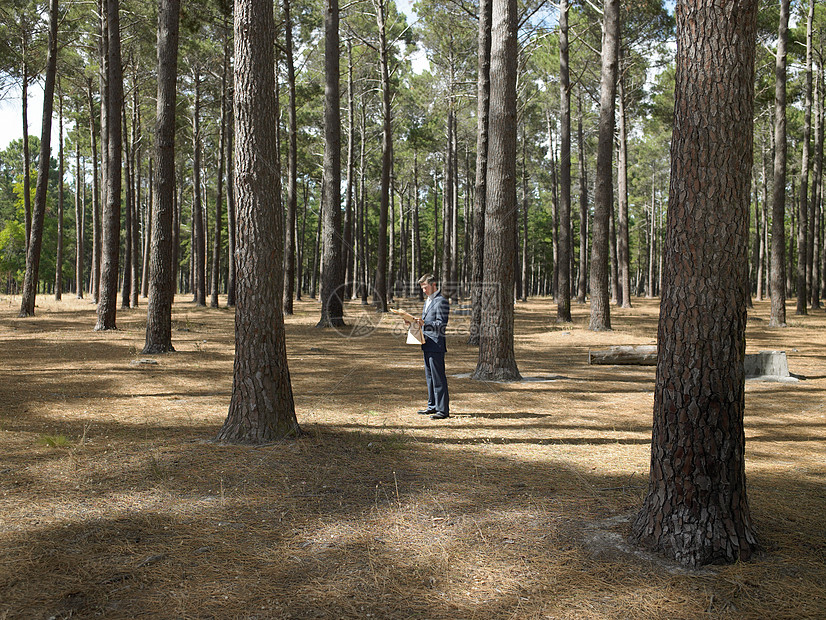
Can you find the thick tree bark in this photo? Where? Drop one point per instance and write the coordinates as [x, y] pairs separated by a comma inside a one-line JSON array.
[[778, 254], [162, 247], [292, 171], [332, 291], [563, 264], [107, 308], [477, 250], [604, 192], [496, 353], [35, 244], [696, 510], [261, 407]]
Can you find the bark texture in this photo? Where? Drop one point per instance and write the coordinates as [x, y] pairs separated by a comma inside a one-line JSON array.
[[563, 291], [496, 355], [604, 191], [778, 237], [261, 407], [161, 270], [696, 510]]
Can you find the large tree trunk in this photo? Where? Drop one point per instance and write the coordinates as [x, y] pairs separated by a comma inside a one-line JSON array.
[[107, 308], [563, 264], [496, 354], [261, 407], [162, 247], [696, 510], [477, 250], [332, 308], [604, 192], [35, 244], [778, 254]]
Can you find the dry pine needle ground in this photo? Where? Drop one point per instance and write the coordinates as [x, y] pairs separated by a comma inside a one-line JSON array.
[[115, 503]]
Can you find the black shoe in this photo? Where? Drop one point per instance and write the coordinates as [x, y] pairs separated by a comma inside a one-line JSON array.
[[426, 411], [439, 415]]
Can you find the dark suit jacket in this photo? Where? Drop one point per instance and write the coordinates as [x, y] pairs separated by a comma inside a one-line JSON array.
[[435, 324]]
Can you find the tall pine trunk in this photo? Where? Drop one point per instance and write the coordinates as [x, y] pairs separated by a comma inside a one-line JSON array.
[[696, 510], [563, 262]]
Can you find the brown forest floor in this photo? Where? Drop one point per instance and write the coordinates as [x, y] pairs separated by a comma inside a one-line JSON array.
[[515, 507]]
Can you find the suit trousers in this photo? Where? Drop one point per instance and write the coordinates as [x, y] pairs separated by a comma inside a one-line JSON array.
[[434, 372]]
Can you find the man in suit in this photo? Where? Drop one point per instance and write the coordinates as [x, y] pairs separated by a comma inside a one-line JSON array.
[[433, 324]]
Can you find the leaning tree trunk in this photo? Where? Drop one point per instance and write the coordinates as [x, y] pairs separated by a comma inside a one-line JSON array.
[[332, 291], [604, 192], [496, 355], [261, 407], [39, 209], [563, 268], [778, 254], [696, 510], [162, 247]]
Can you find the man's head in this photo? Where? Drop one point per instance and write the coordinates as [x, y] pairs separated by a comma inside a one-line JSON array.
[[428, 284]]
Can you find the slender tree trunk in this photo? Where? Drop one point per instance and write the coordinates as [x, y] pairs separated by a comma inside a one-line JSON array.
[[583, 210], [524, 265], [58, 278], [261, 407], [496, 353], [612, 256], [778, 256], [563, 262], [292, 171], [150, 206], [603, 196], [332, 308], [107, 308], [219, 200], [134, 188], [198, 245], [38, 215], [623, 253], [128, 213], [477, 255], [94, 285], [27, 159], [380, 290], [696, 510], [231, 217], [817, 192], [80, 217], [804, 270]]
